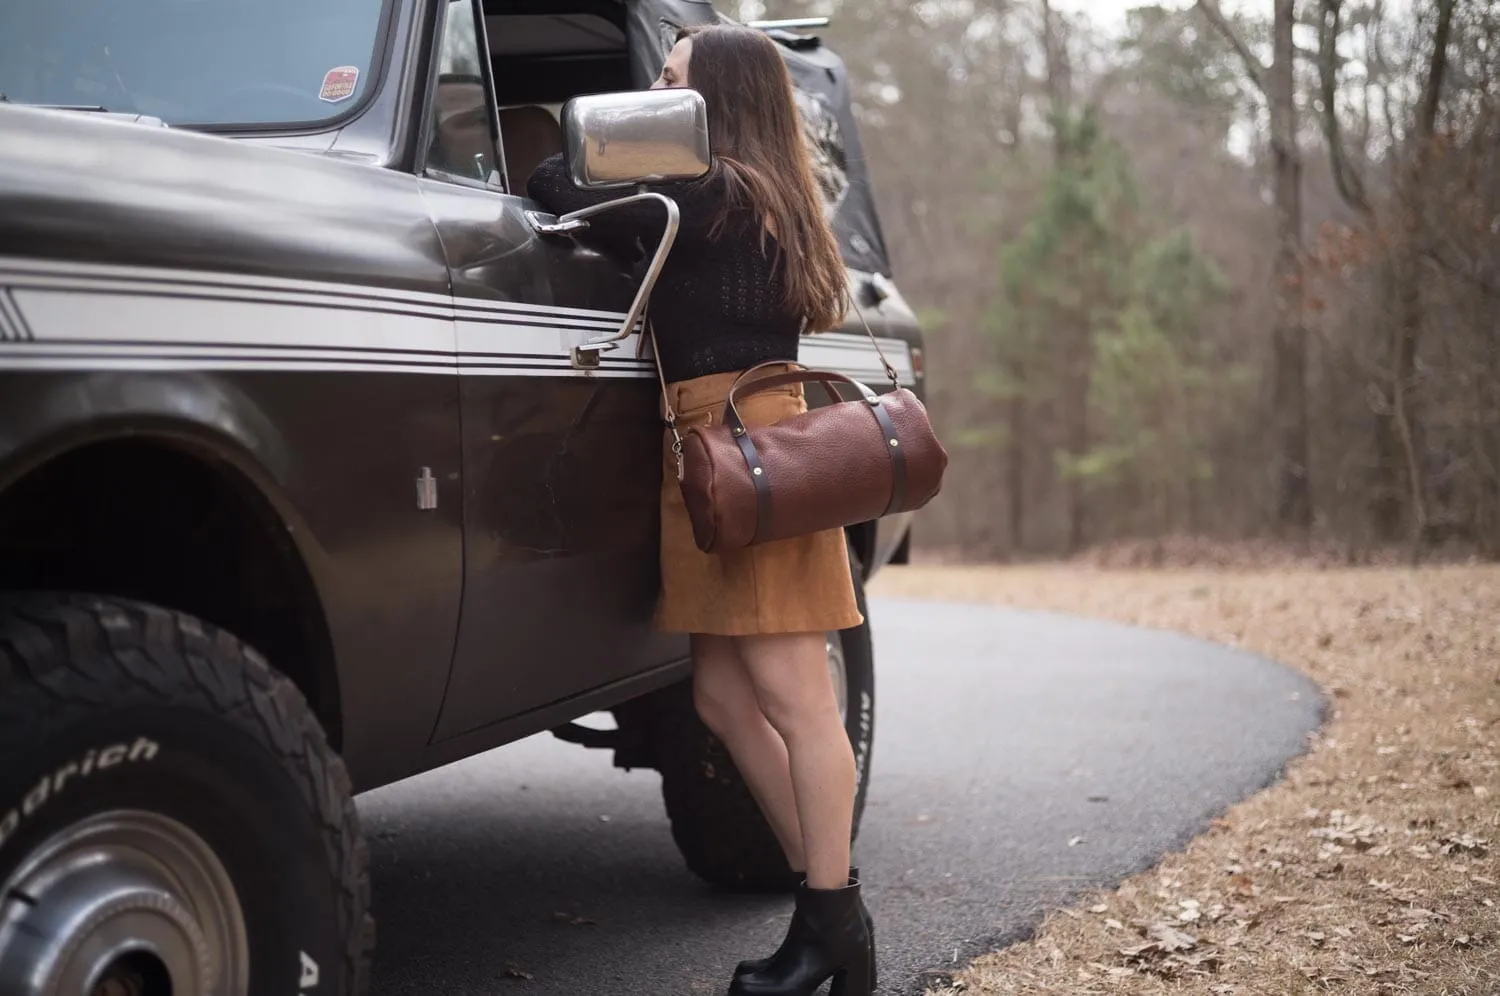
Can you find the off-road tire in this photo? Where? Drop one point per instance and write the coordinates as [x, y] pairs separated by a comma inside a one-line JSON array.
[[241, 761], [716, 823]]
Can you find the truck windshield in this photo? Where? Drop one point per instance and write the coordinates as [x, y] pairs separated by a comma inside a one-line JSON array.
[[192, 62]]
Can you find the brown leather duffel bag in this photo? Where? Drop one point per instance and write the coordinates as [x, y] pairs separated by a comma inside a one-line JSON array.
[[826, 468]]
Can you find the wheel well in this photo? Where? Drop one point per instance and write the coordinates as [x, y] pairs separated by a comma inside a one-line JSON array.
[[862, 541], [903, 550], [149, 521]]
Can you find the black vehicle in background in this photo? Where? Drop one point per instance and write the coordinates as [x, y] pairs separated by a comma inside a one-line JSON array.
[[327, 458]]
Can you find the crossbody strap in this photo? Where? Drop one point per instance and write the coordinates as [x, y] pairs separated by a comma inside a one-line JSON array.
[[890, 371], [668, 413]]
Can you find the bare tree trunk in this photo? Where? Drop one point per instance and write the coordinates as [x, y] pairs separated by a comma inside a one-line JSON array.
[[1077, 407], [1406, 352], [1487, 448], [1059, 75], [1385, 502], [1397, 430], [1019, 406], [1409, 302], [1294, 492], [1277, 82], [1391, 429], [1016, 461], [1077, 361]]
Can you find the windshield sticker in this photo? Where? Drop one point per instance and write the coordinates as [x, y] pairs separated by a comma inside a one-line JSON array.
[[338, 84]]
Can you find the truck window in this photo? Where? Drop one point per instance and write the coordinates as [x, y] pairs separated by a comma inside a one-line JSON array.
[[206, 63], [539, 61], [462, 119]]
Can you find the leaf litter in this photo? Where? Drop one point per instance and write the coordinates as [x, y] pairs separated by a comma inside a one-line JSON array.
[[1370, 867]]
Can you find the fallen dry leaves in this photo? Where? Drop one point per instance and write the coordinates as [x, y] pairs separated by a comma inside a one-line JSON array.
[[1371, 867]]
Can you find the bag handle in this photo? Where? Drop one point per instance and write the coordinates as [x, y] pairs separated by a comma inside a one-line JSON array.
[[827, 378], [669, 415], [798, 375]]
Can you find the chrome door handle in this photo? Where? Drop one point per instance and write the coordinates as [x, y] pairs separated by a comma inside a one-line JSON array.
[[586, 355]]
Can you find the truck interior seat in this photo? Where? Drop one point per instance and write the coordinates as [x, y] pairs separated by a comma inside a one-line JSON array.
[[528, 134], [541, 53]]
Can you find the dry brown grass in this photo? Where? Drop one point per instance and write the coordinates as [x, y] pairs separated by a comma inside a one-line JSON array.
[[1372, 867]]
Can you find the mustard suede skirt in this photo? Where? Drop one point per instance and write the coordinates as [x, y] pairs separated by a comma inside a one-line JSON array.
[[797, 585]]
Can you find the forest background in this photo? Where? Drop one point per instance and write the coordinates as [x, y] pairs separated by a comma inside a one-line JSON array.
[[1194, 273]]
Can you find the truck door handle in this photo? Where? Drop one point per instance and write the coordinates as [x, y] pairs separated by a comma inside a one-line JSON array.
[[586, 355]]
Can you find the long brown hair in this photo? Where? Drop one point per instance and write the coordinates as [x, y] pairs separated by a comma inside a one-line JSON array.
[[756, 137]]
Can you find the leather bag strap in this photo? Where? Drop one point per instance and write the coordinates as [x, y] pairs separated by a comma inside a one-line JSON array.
[[668, 413], [758, 478], [898, 457], [890, 371]]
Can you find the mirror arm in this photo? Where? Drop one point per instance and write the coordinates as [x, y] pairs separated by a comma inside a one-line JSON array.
[[587, 354]]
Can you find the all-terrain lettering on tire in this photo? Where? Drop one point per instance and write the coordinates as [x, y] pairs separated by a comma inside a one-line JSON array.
[[864, 738], [125, 727], [309, 972], [50, 785]]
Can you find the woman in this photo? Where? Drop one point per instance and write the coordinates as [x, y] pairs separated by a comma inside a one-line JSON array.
[[754, 260]]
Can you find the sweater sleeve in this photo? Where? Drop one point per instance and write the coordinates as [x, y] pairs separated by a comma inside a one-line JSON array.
[[699, 203]]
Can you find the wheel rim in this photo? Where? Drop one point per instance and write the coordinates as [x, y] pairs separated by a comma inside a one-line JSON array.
[[839, 672], [126, 903]]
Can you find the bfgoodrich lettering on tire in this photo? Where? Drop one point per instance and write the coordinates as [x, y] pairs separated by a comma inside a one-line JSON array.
[[171, 817], [715, 822]]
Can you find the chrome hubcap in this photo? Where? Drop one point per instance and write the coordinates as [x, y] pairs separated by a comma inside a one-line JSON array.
[[839, 673], [126, 903]]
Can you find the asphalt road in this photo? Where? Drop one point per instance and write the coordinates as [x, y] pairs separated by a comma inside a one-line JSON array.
[[1020, 758]]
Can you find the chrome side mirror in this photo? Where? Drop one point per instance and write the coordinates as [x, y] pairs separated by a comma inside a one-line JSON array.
[[644, 136], [622, 140]]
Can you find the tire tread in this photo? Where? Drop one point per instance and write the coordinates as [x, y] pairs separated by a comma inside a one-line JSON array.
[[84, 651]]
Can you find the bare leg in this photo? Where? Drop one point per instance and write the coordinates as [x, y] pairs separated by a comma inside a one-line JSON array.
[[727, 704], [790, 676]]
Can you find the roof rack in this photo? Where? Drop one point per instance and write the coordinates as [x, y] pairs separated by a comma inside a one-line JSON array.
[[790, 23]]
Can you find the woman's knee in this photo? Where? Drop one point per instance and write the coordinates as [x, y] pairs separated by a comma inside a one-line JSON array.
[[790, 680], [792, 711]]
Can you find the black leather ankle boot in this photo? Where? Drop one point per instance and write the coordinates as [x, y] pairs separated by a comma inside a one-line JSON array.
[[827, 939], [759, 964]]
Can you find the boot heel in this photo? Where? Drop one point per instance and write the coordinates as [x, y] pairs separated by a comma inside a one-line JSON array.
[[854, 980]]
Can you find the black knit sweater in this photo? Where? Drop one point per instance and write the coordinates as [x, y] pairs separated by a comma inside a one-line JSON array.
[[717, 305]]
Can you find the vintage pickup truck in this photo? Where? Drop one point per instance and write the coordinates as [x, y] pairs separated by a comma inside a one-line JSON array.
[[327, 458]]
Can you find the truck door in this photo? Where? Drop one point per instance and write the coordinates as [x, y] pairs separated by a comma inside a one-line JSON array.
[[561, 466]]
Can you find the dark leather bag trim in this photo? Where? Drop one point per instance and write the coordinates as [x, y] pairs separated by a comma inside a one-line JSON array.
[[757, 477], [898, 456]]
